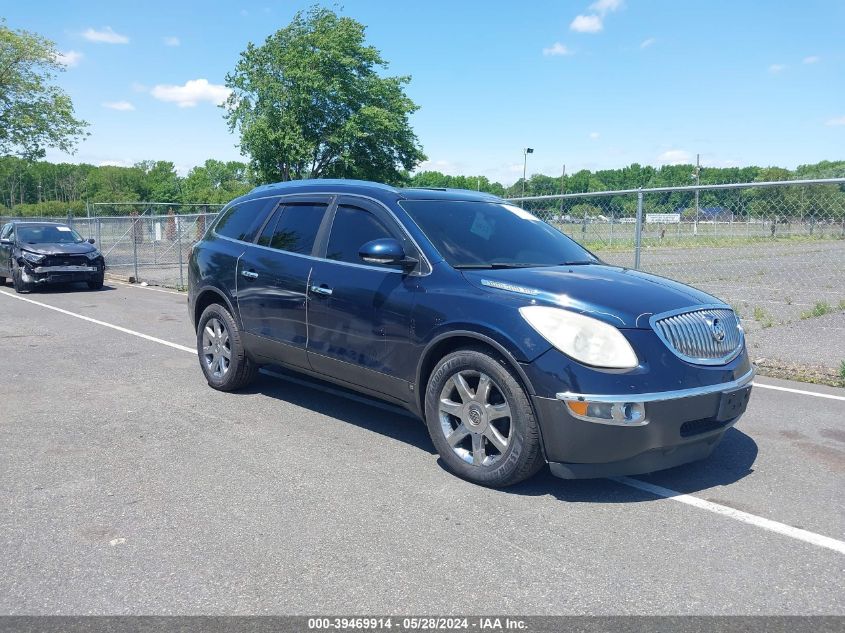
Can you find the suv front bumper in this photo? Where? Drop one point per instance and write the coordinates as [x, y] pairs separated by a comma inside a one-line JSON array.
[[60, 274], [678, 427]]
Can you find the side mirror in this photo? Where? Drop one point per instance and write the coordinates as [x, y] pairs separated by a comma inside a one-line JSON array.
[[386, 252], [5, 240], [91, 240]]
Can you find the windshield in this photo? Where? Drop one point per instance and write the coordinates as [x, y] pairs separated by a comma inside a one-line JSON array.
[[48, 234], [493, 235]]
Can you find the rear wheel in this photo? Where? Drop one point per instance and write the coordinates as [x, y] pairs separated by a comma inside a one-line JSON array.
[[221, 352], [481, 421], [2, 281]]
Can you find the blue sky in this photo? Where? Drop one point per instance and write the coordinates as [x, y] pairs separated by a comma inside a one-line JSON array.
[[590, 83]]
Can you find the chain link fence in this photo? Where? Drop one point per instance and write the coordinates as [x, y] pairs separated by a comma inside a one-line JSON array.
[[774, 251], [149, 243]]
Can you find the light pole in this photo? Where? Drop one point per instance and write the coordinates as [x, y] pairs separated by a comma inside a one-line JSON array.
[[525, 153]]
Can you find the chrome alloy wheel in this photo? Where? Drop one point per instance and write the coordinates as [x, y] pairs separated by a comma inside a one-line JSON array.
[[475, 418], [216, 347]]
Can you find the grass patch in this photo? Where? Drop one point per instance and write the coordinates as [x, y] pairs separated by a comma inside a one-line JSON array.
[[820, 309], [842, 370], [763, 318]]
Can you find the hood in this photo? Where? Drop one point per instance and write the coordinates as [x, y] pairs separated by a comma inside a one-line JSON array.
[[59, 249], [621, 297]]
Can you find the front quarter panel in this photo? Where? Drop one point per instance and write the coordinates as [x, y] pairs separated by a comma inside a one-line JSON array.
[[447, 303]]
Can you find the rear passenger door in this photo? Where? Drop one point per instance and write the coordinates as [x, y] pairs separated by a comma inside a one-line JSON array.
[[273, 280], [359, 313]]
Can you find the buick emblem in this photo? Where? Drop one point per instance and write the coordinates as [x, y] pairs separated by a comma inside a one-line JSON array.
[[718, 330]]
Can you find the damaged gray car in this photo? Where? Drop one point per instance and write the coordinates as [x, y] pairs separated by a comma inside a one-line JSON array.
[[36, 253]]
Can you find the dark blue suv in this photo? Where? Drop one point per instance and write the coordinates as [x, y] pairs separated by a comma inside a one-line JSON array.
[[516, 345]]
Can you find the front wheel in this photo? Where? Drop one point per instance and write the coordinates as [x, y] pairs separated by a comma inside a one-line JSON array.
[[20, 285], [221, 352], [481, 421], [95, 283]]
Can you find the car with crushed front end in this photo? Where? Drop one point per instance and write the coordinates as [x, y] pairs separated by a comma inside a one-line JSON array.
[[33, 254], [514, 344]]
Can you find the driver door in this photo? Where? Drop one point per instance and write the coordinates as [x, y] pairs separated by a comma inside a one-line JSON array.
[[6, 233], [358, 313]]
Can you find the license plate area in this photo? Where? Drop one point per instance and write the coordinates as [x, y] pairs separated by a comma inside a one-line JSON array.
[[733, 403]]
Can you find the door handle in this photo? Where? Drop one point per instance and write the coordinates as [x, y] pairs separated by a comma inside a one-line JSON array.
[[321, 290], [249, 274]]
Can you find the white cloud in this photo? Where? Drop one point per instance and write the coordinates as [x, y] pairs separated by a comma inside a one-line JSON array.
[[106, 36], [69, 59], [586, 24], [812, 59], [114, 163], [443, 166], [123, 106], [171, 40], [595, 135], [836, 121], [647, 42], [603, 7], [776, 68], [675, 157], [190, 94], [557, 49]]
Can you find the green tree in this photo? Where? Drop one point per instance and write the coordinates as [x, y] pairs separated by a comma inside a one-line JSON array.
[[216, 181], [34, 114], [309, 103], [160, 181]]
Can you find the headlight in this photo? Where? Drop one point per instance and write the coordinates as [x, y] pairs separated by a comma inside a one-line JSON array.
[[32, 258], [585, 339], [93, 255]]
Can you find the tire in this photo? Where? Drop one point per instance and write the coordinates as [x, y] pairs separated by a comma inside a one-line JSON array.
[[96, 283], [217, 335], [491, 451], [2, 281], [21, 287]]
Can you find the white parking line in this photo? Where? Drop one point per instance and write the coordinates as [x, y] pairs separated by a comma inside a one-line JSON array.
[[103, 323], [751, 519], [800, 391], [738, 515]]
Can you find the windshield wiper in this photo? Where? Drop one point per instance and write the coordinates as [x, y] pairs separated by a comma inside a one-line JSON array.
[[495, 266], [580, 262]]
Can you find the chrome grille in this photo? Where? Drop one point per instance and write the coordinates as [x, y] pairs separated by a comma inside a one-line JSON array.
[[694, 336]]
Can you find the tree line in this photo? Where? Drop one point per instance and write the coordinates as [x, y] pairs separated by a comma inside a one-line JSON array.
[[41, 188]]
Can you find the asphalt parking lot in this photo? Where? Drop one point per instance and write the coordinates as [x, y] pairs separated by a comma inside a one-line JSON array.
[[128, 486]]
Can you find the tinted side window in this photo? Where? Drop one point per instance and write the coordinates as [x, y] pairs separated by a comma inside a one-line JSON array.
[[294, 229], [240, 222], [6, 231], [353, 227]]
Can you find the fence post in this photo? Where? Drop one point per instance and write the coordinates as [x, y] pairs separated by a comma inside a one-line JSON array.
[[179, 246], [638, 240], [135, 247], [612, 218]]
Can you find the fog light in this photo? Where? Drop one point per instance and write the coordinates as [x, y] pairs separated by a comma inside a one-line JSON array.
[[622, 413]]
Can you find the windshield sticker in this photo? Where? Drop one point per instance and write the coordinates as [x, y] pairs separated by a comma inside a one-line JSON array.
[[481, 227], [63, 228]]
